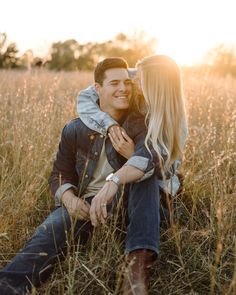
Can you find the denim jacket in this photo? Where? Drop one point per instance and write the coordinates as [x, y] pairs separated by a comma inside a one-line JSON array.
[[100, 121], [79, 151]]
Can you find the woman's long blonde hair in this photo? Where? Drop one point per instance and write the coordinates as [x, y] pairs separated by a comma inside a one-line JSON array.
[[162, 90]]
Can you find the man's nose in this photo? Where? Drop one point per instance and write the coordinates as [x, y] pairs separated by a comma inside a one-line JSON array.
[[122, 87]]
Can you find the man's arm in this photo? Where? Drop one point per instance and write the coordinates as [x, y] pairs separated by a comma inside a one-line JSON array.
[[90, 113], [63, 175], [63, 180], [98, 210]]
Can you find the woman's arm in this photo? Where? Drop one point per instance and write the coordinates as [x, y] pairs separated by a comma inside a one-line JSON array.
[[90, 113]]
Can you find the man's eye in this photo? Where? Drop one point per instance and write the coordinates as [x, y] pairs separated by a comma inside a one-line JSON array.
[[114, 83]]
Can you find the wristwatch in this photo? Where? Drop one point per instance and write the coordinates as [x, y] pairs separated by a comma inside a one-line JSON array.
[[112, 177]]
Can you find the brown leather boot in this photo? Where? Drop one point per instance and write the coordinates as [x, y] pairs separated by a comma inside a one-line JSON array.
[[136, 274]]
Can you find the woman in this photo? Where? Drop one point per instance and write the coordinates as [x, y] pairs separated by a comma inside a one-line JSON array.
[[158, 96], [162, 104]]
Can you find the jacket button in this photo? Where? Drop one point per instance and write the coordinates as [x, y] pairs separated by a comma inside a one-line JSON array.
[[91, 137], [86, 175], [96, 153]]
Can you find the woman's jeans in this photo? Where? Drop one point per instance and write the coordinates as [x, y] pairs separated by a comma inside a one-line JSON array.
[[34, 263]]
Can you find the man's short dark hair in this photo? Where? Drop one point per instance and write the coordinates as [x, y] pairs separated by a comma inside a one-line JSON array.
[[108, 63]]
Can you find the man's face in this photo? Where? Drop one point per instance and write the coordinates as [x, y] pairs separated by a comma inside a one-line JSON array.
[[115, 93]]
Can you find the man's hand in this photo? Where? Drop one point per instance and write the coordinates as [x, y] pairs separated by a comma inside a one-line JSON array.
[[76, 207], [121, 142], [98, 209]]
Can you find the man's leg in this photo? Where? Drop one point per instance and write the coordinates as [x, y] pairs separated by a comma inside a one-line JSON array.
[[143, 234], [34, 263]]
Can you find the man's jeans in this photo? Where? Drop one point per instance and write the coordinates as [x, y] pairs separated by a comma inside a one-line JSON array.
[[34, 263]]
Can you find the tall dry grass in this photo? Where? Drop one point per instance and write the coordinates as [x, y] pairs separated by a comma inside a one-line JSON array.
[[198, 251]]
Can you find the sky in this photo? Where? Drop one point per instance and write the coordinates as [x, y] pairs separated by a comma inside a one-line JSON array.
[[184, 29]]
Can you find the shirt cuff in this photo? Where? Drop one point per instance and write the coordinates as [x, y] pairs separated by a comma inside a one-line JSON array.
[[60, 191], [138, 162], [142, 164], [101, 127]]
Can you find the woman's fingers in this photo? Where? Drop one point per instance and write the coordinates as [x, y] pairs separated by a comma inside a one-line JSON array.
[[119, 134], [126, 136], [116, 134], [115, 145]]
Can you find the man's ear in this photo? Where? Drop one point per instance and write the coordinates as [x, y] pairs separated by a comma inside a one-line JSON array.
[[97, 88]]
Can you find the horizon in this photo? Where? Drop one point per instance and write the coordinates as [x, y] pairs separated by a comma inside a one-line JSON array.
[[186, 30]]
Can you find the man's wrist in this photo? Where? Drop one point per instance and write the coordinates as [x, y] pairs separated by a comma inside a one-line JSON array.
[[113, 178], [61, 190], [67, 196]]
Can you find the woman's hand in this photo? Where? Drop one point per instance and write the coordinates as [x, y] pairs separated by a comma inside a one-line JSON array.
[[121, 142], [98, 209]]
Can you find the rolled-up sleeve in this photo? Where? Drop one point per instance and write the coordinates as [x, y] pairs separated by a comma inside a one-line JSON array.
[[143, 164], [138, 162], [60, 191]]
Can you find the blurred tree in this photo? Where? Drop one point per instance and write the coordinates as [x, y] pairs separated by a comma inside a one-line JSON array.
[[38, 62], [87, 56], [10, 59], [63, 56], [8, 53], [69, 55], [3, 38], [26, 60], [222, 60], [132, 48]]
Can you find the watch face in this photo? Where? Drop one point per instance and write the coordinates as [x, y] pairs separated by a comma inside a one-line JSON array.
[[113, 178], [109, 177]]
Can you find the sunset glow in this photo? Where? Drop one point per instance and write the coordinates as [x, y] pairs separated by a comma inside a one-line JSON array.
[[184, 29]]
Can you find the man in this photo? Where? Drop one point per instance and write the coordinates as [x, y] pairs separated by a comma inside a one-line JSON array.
[[86, 175]]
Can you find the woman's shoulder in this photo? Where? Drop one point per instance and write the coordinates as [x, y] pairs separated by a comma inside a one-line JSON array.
[[135, 117], [134, 123]]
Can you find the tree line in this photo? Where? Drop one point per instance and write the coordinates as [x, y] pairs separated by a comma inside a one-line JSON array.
[[70, 55]]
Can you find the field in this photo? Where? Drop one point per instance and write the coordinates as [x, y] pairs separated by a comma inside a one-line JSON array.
[[198, 252]]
